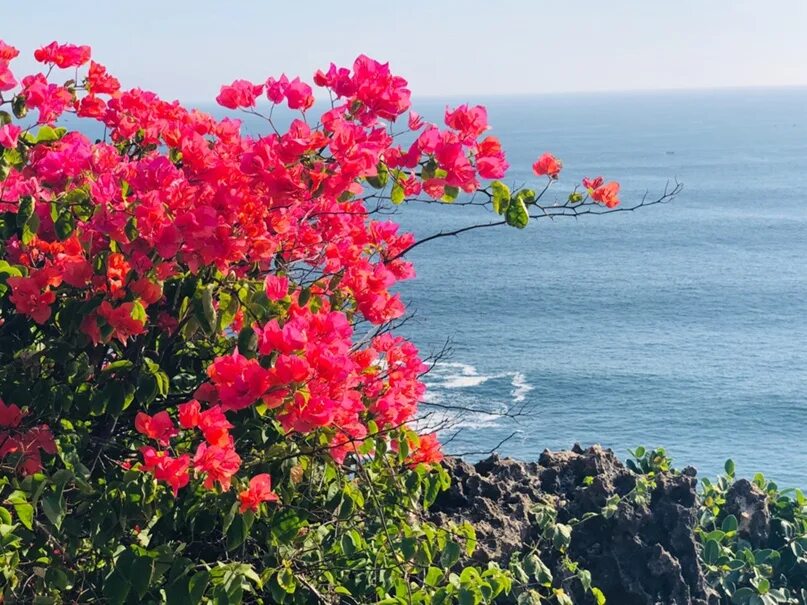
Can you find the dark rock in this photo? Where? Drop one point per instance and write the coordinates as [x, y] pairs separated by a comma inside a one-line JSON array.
[[749, 504], [642, 555]]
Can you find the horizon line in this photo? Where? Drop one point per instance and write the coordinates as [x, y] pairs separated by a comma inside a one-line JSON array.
[[615, 91]]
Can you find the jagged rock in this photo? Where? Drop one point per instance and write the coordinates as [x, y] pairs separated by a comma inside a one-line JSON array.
[[642, 555], [749, 504]]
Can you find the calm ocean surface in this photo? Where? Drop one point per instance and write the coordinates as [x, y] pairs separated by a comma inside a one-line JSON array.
[[682, 326]]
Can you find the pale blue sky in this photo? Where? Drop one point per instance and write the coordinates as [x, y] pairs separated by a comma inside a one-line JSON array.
[[186, 49]]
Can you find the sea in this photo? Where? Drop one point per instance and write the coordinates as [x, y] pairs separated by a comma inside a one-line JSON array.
[[682, 325]]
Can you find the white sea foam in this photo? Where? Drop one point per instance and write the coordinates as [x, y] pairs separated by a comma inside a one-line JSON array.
[[520, 387], [454, 375]]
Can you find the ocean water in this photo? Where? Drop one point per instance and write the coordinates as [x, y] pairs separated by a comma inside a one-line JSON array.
[[680, 325]]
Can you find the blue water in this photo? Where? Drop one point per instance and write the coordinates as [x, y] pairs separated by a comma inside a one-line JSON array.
[[683, 326]]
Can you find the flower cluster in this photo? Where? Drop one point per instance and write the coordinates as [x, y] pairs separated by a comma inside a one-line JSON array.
[[275, 234]]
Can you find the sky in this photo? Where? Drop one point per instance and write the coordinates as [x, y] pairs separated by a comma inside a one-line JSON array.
[[186, 49]]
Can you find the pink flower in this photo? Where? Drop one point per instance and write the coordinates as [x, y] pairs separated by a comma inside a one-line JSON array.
[[239, 381], [63, 55], [9, 135], [415, 122], [276, 89], [547, 165], [241, 93], [7, 79], [490, 159], [299, 95], [470, 122], [277, 287]]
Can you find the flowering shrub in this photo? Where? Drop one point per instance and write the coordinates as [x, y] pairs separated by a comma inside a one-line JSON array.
[[202, 400]]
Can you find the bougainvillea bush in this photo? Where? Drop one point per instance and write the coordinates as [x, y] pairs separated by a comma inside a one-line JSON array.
[[203, 398]]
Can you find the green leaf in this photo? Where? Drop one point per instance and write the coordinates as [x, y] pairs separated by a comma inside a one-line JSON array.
[[64, 225], [598, 595], [397, 195], [53, 507], [205, 312], [286, 580], [500, 197], [116, 588], [25, 210], [433, 576], [451, 554], [247, 342], [380, 180], [729, 524], [238, 531], [528, 196], [140, 575], [197, 586], [139, 312], [711, 552], [23, 508], [48, 134], [450, 194], [516, 214], [729, 466]]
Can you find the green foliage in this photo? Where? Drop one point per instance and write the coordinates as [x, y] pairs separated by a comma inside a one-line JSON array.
[[743, 573]]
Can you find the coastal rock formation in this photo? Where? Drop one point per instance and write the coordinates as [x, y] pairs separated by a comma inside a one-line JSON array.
[[749, 504], [643, 553]]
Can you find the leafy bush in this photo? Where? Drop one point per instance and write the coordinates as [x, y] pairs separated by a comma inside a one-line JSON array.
[[203, 399], [747, 560]]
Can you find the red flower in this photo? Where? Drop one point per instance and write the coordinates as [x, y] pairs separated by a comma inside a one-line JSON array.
[[547, 165], [592, 184], [173, 471], [10, 415], [189, 414], [260, 490], [30, 298], [218, 463], [426, 452], [98, 81], [120, 319], [159, 427], [215, 427], [607, 195], [7, 52]]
